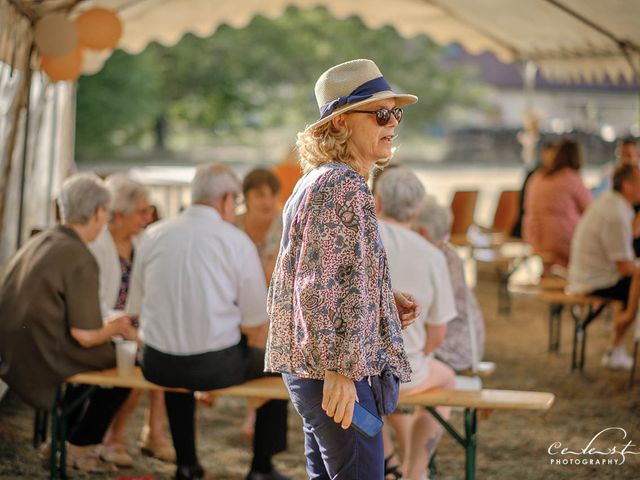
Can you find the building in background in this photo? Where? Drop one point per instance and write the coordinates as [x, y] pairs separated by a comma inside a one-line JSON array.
[[594, 113]]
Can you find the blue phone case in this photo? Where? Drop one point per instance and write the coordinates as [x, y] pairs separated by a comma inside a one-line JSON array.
[[365, 422]]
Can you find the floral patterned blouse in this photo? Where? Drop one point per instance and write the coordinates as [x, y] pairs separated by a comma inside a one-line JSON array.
[[123, 291], [330, 303]]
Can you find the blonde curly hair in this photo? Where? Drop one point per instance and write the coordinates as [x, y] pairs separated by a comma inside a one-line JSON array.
[[326, 144]]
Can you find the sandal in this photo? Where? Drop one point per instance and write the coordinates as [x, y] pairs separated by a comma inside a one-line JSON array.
[[161, 450], [392, 468], [116, 453], [88, 461]]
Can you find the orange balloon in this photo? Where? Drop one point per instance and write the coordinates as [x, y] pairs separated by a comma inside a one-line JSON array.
[[67, 67], [99, 28]]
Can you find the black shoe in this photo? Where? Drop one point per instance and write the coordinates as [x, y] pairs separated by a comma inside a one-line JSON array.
[[273, 475], [189, 472]]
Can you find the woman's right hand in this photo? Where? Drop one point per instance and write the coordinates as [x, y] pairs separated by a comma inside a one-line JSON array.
[[121, 326], [112, 326], [338, 397]]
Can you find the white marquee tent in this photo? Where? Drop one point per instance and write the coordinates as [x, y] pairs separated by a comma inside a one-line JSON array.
[[567, 39]]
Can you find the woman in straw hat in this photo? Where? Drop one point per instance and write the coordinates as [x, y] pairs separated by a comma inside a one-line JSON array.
[[335, 325]]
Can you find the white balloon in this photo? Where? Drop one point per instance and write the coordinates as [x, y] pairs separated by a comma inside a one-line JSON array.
[[94, 60], [55, 35]]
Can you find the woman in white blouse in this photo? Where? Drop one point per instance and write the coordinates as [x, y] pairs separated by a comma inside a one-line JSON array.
[[130, 213]]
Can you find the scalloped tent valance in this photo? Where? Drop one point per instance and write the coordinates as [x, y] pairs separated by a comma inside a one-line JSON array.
[[568, 39]]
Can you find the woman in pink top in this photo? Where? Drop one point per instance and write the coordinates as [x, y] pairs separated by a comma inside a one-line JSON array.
[[555, 200]]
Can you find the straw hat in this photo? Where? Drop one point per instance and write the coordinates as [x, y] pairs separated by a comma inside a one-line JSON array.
[[351, 85]]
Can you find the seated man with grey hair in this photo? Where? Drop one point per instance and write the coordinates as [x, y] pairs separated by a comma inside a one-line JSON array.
[[419, 268], [50, 321], [129, 214], [198, 286], [463, 345]]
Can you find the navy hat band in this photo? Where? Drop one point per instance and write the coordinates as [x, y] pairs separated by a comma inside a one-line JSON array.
[[363, 92]]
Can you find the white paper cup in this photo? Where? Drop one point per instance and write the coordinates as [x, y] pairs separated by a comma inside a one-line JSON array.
[[126, 356]]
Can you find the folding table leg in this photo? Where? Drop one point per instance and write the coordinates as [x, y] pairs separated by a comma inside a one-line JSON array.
[[41, 417], [471, 428], [577, 333], [555, 322], [433, 467], [468, 441], [504, 297], [580, 335], [59, 414]]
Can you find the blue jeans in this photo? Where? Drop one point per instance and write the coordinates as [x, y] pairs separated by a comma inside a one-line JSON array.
[[334, 453]]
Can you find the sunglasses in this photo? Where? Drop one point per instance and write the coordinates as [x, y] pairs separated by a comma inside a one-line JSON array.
[[383, 115]]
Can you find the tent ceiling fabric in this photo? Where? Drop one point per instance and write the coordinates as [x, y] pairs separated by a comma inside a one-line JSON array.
[[540, 30]]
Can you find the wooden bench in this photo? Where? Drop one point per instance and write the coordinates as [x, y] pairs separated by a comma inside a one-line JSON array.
[[273, 388], [584, 310]]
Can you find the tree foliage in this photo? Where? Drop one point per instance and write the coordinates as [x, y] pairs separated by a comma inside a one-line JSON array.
[[123, 99], [256, 78]]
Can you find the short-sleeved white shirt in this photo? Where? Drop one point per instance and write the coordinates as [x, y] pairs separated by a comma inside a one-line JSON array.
[[603, 237], [419, 268], [196, 280]]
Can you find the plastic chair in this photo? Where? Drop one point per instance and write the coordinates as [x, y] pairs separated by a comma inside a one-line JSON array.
[[463, 207], [506, 212]]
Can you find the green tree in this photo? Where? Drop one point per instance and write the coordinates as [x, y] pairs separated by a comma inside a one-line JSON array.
[[118, 104], [261, 77]]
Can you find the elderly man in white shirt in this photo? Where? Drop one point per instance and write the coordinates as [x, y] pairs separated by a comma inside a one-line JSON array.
[[417, 267], [602, 259], [198, 286]]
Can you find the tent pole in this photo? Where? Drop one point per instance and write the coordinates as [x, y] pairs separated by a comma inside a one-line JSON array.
[[530, 134], [25, 149]]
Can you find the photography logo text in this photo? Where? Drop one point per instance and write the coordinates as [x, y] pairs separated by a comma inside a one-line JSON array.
[[610, 446]]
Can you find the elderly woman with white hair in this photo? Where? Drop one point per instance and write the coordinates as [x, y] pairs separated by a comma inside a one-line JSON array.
[[130, 212], [334, 322], [417, 267], [463, 345], [50, 321]]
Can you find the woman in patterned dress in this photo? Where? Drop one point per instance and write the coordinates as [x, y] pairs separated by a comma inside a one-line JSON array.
[[334, 320], [130, 213]]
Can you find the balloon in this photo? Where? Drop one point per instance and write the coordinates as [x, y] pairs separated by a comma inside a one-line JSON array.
[[94, 60], [66, 67], [99, 28], [55, 35]]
